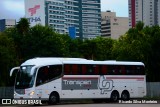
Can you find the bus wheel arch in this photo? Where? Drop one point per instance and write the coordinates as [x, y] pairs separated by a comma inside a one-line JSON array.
[[54, 98], [114, 96], [125, 95]]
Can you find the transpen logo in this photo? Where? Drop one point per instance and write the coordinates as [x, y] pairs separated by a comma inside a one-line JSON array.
[[105, 84], [34, 9]]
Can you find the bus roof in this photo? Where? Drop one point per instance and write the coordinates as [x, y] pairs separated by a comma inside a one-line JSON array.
[[105, 62], [49, 61], [57, 60]]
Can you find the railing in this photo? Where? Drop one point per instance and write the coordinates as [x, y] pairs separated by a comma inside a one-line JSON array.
[[153, 89], [6, 92]]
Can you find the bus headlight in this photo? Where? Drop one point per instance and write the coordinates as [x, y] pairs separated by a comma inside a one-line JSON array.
[[31, 93]]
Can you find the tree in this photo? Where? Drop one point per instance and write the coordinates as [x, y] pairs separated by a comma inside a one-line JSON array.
[[23, 26], [8, 58], [88, 49], [141, 44], [103, 48], [75, 47], [42, 41], [153, 58]]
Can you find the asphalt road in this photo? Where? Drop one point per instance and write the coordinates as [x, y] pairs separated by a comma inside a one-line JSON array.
[[108, 105], [96, 105], [91, 104]]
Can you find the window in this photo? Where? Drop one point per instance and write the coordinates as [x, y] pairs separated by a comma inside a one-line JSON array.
[[81, 69], [90, 70], [116, 70], [122, 70], [134, 70], [42, 75], [55, 71], [140, 70], [95, 69], [103, 70], [74, 69], [66, 69], [48, 73], [84, 69], [71, 69], [110, 69]]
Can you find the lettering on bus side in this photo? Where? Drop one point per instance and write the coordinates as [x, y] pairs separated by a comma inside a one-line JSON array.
[[76, 83], [79, 83]]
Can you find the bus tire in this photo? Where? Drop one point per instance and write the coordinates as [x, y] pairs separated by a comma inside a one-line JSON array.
[[125, 95], [114, 96], [53, 98]]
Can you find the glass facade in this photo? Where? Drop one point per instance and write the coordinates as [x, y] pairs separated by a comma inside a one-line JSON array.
[[84, 15], [55, 11]]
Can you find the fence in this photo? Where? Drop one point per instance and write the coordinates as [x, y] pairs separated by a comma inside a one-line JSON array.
[[6, 92], [153, 90]]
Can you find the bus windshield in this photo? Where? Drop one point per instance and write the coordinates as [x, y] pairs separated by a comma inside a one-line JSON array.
[[24, 78]]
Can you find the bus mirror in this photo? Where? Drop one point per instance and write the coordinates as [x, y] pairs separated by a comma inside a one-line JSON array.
[[13, 70]]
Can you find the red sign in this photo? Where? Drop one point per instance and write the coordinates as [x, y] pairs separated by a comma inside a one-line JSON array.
[[34, 9]]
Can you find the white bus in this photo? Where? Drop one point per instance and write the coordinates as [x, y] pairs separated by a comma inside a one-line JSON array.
[[56, 79]]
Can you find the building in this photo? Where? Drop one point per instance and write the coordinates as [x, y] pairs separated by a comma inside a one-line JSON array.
[[113, 26], [6, 23], [147, 11], [81, 18]]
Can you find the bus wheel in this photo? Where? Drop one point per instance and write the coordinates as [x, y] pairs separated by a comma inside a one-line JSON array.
[[114, 96], [125, 95], [53, 98]]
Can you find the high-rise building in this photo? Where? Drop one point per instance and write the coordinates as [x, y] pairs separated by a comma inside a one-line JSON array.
[[6, 23], [147, 11], [81, 18], [113, 26]]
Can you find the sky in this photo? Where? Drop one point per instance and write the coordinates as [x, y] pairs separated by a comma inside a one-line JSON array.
[[14, 9]]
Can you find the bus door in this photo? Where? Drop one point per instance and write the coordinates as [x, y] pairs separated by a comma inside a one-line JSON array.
[[48, 80], [41, 80]]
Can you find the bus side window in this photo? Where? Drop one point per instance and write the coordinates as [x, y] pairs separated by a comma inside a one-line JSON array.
[[74, 69], [67, 69], [79, 72], [103, 70], [131, 70], [122, 70], [110, 69], [96, 69], [128, 70], [89, 69], [140, 70], [84, 70], [42, 75], [55, 71], [116, 70]]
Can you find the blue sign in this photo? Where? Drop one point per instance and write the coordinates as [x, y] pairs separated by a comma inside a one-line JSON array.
[[72, 32]]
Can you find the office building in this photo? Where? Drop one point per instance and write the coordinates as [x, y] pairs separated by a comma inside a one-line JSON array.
[[78, 18], [6, 23], [147, 11], [113, 26]]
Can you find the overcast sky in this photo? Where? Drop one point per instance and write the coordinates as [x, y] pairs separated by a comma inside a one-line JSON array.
[[14, 9]]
